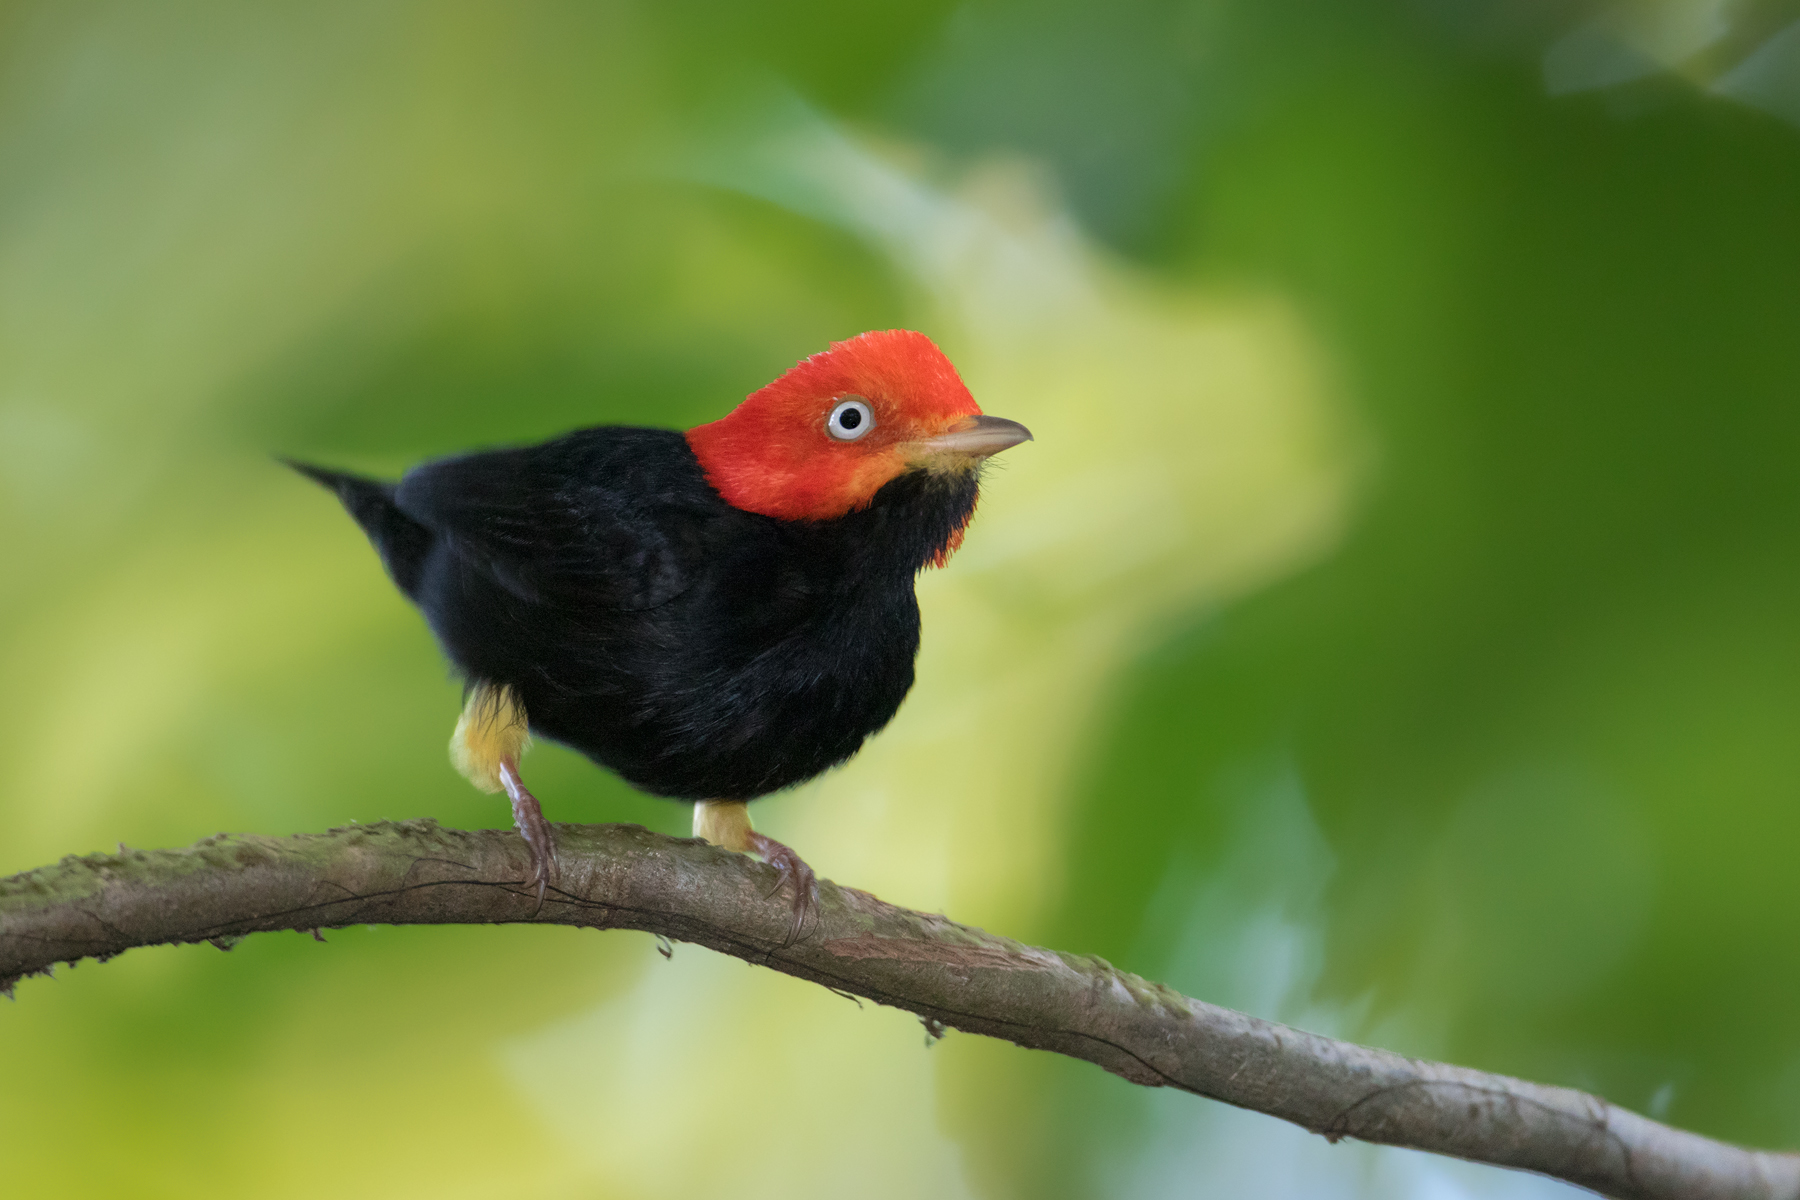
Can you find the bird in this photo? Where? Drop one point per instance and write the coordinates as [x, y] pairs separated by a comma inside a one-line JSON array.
[[714, 615]]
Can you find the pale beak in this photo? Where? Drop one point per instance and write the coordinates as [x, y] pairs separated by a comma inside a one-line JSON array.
[[976, 437]]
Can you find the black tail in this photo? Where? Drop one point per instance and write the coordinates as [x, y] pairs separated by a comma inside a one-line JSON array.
[[401, 541]]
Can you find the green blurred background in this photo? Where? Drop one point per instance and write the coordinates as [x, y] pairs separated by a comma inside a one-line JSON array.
[[1394, 630]]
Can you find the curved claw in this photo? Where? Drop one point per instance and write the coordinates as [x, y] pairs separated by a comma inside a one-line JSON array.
[[540, 839], [794, 871]]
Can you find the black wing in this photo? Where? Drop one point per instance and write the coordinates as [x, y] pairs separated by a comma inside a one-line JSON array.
[[610, 518]]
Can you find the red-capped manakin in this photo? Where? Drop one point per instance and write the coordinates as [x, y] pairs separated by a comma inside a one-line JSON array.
[[714, 615]]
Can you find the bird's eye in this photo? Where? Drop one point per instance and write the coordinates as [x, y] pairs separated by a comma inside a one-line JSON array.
[[850, 420]]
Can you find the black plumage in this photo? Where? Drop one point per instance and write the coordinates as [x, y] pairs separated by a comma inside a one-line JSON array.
[[701, 651]]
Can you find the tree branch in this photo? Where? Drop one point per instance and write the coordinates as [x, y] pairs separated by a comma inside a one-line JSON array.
[[625, 877]]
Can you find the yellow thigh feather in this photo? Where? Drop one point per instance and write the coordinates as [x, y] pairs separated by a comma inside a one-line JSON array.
[[492, 729], [724, 823]]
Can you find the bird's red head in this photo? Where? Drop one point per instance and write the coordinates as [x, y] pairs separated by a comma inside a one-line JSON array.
[[821, 440]]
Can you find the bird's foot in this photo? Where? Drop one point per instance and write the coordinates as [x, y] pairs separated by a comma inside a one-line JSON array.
[[727, 823], [528, 816], [794, 872]]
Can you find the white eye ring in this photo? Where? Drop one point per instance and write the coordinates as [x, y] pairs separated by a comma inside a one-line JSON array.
[[850, 419]]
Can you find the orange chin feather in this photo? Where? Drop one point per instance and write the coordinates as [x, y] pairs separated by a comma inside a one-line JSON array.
[[942, 557]]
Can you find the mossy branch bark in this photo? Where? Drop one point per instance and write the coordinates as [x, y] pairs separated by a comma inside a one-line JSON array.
[[625, 877]]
